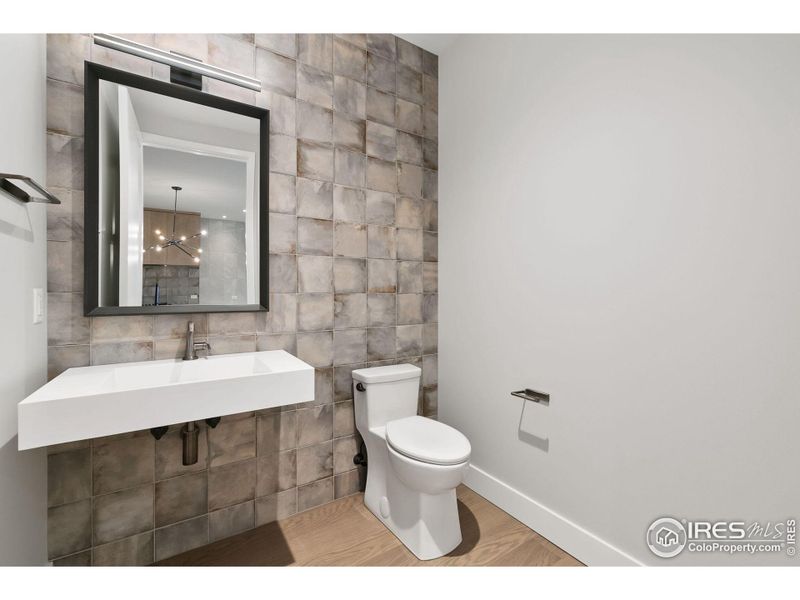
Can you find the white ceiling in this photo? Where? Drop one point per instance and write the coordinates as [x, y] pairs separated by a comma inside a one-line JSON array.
[[432, 42], [214, 187]]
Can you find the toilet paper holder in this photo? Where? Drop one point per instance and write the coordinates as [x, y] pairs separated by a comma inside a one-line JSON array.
[[533, 396]]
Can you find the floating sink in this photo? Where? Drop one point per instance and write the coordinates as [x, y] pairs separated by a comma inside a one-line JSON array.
[[89, 402]]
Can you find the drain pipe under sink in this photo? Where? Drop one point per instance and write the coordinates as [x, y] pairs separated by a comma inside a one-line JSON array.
[[190, 434]]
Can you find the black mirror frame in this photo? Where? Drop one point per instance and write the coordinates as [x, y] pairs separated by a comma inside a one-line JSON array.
[[93, 74]]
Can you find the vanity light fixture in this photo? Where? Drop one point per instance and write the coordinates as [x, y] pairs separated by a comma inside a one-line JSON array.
[[175, 60], [176, 241]]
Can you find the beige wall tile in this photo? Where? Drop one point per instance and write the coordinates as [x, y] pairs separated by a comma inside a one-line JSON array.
[[61, 358], [282, 194], [314, 85], [409, 54], [123, 514], [343, 381], [346, 484], [349, 346], [349, 204], [232, 441], [381, 242], [231, 484], [409, 116], [350, 240], [282, 43], [277, 73], [314, 160], [122, 463], [381, 343], [231, 520], [381, 276], [314, 312], [114, 329], [181, 537], [316, 348], [275, 507], [349, 60], [343, 419], [349, 275], [349, 310], [316, 49], [276, 473], [315, 274], [383, 44], [181, 498], [344, 449], [314, 236], [309, 496], [314, 199], [314, 462], [69, 528], [276, 431], [380, 106], [133, 551], [79, 559], [349, 97], [314, 425]]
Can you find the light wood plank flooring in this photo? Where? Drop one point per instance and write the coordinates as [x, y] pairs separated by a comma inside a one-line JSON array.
[[345, 533]]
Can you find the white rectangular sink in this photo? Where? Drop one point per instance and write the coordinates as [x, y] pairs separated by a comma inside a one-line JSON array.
[[90, 402]]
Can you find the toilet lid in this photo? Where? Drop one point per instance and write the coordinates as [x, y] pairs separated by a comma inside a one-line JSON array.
[[428, 441]]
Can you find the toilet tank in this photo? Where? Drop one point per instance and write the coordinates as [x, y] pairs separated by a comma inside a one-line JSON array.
[[390, 393]]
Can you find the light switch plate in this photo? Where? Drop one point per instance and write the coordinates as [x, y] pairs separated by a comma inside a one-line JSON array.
[[38, 305]]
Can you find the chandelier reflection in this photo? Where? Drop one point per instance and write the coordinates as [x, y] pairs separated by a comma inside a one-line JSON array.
[[181, 242]]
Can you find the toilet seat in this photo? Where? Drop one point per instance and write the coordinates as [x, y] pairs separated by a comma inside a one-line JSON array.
[[427, 441]]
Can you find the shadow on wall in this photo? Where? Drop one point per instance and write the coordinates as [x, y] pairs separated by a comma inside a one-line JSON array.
[[15, 221], [540, 442]]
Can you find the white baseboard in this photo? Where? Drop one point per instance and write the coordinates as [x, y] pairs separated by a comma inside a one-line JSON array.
[[582, 544]]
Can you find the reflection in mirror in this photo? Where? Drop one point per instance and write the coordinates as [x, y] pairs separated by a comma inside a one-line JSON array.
[[178, 202]]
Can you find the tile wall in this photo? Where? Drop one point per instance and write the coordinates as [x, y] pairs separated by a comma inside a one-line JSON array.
[[177, 284], [353, 283]]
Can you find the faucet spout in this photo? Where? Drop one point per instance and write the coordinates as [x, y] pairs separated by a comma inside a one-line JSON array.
[[191, 346], [190, 353]]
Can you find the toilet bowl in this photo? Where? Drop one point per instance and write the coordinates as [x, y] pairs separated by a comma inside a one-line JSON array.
[[414, 463]]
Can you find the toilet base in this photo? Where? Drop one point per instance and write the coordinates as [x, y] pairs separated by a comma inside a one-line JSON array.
[[427, 525]]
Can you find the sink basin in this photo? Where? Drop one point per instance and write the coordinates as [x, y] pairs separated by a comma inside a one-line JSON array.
[[90, 402]]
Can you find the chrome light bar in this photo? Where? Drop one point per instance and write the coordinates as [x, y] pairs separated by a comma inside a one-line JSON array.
[[175, 60]]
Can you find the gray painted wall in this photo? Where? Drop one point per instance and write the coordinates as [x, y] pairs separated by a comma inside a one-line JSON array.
[[23, 355], [622, 233]]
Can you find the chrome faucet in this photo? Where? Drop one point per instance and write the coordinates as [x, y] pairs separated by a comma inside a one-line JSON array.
[[192, 346]]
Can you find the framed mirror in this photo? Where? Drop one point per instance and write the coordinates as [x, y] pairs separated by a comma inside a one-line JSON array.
[[176, 207]]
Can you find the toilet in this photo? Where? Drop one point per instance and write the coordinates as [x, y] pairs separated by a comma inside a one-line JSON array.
[[414, 463]]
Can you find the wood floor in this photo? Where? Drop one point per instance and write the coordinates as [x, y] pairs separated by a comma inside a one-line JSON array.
[[345, 533]]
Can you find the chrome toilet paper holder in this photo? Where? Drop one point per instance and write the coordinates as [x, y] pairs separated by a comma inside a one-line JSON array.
[[533, 396]]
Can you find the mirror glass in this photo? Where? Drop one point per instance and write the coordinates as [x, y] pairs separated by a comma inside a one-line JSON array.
[[177, 202]]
